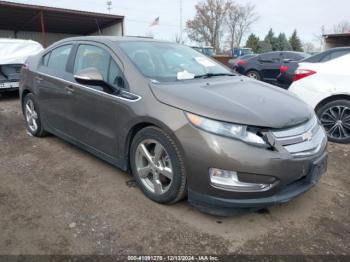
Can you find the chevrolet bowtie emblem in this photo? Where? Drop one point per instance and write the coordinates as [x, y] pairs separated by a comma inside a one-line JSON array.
[[307, 136]]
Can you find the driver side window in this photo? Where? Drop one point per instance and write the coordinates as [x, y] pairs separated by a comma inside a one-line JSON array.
[[92, 56], [96, 57]]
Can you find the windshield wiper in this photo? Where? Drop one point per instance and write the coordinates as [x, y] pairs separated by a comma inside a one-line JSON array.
[[208, 75]]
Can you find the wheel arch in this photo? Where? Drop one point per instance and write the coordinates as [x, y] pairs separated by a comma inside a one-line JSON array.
[[330, 99], [138, 126]]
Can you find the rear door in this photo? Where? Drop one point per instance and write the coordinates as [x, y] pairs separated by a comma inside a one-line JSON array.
[[270, 64], [53, 91]]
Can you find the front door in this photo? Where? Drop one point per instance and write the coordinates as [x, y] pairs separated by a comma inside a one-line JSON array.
[[95, 110]]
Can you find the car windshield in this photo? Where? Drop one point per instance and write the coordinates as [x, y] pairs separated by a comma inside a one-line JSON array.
[[168, 62]]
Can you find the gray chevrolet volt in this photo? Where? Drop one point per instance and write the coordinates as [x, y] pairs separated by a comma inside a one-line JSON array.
[[180, 122]]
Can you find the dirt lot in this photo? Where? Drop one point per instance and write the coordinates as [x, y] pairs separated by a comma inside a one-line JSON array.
[[57, 199]]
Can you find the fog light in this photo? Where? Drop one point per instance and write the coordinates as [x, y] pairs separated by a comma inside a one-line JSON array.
[[228, 180]]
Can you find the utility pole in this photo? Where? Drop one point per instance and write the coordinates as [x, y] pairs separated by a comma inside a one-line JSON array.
[[109, 5], [180, 21]]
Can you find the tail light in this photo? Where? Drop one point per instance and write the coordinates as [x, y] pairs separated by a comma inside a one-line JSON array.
[[283, 69], [25, 66], [302, 73], [241, 62]]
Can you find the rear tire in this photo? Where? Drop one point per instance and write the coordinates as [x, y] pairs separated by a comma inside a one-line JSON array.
[[32, 116], [335, 118], [253, 74], [158, 166]]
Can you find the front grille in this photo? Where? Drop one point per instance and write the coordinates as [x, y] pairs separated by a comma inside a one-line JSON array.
[[301, 141]]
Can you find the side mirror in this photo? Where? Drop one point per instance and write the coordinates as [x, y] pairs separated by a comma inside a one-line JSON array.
[[92, 76], [89, 76]]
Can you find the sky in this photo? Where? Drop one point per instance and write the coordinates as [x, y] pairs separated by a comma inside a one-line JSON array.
[[307, 16]]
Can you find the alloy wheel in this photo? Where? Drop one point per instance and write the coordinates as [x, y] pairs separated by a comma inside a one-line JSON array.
[[31, 116], [253, 75], [336, 121], [153, 166]]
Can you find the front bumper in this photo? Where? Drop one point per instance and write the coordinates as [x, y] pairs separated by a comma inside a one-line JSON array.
[[216, 205], [204, 151], [9, 86]]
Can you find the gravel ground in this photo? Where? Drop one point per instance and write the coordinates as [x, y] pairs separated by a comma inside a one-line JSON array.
[[57, 199]]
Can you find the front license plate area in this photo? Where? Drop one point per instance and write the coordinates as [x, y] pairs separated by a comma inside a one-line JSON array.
[[9, 85]]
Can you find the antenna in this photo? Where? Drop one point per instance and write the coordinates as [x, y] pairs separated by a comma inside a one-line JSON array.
[[109, 5], [181, 22]]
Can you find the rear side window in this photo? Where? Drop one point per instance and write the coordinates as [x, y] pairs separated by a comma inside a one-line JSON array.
[[59, 57], [294, 56], [271, 57], [92, 56], [334, 55]]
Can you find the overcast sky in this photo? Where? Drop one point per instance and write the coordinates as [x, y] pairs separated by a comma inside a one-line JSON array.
[[307, 16]]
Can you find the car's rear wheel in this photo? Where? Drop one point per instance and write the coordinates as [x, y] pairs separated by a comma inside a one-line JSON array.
[[335, 118], [157, 166], [254, 74], [32, 116]]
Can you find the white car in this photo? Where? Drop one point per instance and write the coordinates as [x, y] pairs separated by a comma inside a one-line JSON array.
[[326, 88], [13, 54]]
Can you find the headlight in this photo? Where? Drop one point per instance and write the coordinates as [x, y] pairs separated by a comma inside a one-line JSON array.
[[226, 129]]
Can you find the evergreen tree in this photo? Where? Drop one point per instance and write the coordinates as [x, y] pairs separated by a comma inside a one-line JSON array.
[[264, 46], [253, 42], [270, 38], [295, 42], [283, 44]]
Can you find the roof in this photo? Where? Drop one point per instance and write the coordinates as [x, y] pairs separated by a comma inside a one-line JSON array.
[[24, 17], [342, 35]]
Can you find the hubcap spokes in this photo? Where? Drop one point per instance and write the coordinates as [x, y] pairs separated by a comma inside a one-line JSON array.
[[336, 121], [154, 166], [31, 116]]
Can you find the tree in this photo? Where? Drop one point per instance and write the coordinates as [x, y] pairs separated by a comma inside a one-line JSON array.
[[264, 46], [282, 43], [270, 38], [239, 20], [253, 42], [295, 42], [342, 27], [309, 47], [206, 25]]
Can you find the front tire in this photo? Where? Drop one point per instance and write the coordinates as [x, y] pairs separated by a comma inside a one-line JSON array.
[[158, 166], [32, 116], [335, 118]]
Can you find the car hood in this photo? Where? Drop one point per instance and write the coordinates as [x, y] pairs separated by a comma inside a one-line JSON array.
[[236, 100]]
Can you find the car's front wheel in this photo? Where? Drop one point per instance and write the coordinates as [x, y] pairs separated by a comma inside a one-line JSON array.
[[158, 166], [32, 116], [335, 118]]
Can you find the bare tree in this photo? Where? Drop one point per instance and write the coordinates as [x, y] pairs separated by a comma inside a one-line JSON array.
[[239, 20], [342, 27], [205, 27]]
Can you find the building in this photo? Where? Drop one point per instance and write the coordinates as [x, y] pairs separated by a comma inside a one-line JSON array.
[[47, 25], [336, 40]]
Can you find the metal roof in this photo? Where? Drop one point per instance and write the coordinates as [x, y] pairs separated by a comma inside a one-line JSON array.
[[341, 35], [24, 17]]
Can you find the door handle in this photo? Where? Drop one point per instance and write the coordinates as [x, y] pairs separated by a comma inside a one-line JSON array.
[[69, 89]]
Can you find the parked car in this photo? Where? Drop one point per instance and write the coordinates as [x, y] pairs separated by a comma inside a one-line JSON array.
[[207, 50], [325, 87], [239, 52], [13, 53], [234, 62], [180, 121], [266, 67], [287, 70]]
